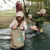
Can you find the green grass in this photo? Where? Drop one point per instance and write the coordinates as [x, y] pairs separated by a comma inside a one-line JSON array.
[[3, 26], [5, 21], [8, 12]]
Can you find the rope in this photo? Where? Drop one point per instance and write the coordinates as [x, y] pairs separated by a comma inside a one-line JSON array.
[[20, 33]]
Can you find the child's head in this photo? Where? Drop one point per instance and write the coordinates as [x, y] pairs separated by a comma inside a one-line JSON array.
[[29, 16], [20, 15], [42, 12]]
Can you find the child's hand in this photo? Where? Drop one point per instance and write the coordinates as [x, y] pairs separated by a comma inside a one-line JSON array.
[[14, 27], [20, 28]]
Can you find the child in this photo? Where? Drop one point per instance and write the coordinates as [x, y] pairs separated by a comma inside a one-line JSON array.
[[41, 14], [37, 31], [19, 22]]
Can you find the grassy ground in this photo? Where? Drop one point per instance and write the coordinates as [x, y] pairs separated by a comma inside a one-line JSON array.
[[6, 17], [8, 12]]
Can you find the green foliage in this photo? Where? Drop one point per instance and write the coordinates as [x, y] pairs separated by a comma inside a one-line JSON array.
[[39, 21], [48, 18]]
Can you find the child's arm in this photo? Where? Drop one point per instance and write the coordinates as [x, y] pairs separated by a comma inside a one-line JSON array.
[[33, 28], [24, 25], [12, 25]]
